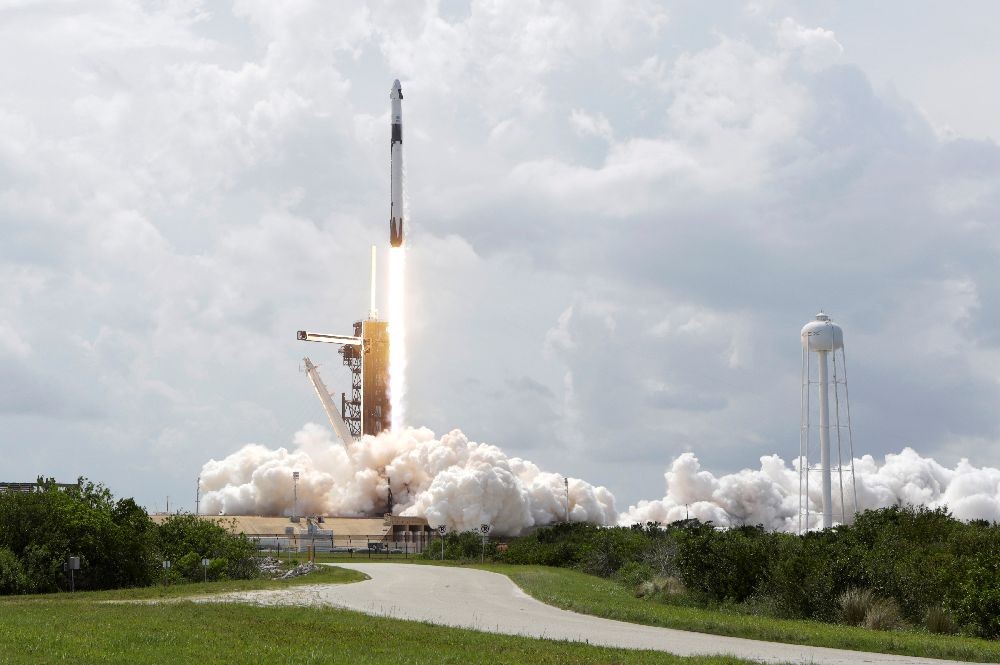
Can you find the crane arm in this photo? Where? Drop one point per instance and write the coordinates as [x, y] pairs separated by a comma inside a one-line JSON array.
[[339, 426], [306, 336]]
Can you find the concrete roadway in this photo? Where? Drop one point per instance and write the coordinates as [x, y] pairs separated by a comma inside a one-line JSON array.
[[480, 600]]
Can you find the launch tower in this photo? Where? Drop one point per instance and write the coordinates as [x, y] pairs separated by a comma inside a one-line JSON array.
[[366, 354]]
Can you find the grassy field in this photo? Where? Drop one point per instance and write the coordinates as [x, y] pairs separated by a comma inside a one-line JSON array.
[[82, 628], [587, 594], [324, 575]]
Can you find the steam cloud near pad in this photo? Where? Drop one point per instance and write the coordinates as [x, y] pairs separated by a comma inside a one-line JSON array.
[[449, 480], [769, 496]]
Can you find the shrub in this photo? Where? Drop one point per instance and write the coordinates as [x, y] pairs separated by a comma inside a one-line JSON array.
[[976, 602], [468, 546], [644, 589], [883, 615], [662, 556], [725, 565], [938, 621], [633, 573], [610, 549], [187, 539], [669, 585], [854, 605], [12, 577]]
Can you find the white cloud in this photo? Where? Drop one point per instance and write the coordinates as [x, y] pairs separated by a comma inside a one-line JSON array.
[[818, 47], [182, 188], [585, 124]]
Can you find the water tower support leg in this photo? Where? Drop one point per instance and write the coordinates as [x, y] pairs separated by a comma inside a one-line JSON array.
[[824, 439]]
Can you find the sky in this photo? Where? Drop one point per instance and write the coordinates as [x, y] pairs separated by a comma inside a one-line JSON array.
[[621, 215]]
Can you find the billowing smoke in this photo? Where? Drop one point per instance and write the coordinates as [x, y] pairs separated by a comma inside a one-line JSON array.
[[770, 496], [449, 480]]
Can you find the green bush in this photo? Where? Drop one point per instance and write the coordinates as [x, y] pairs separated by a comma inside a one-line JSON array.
[[977, 604], [883, 615], [854, 605], [724, 565], [12, 576], [634, 573], [187, 539], [938, 621], [462, 546], [918, 561]]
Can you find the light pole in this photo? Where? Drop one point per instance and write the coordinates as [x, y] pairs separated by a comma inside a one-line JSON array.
[[566, 483]]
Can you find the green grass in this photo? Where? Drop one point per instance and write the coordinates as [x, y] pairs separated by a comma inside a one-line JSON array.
[[80, 628], [324, 575], [587, 594]]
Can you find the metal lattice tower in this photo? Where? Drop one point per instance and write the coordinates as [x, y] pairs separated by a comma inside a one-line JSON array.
[[821, 431], [352, 408]]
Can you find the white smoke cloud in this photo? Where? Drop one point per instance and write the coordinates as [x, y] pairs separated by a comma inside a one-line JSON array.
[[770, 496], [449, 480]]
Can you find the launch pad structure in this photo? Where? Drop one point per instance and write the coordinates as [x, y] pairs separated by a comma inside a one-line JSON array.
[[369, 410], [366, 355], [366, 352]]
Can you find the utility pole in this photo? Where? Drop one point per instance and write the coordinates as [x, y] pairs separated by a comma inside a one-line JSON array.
[[295, 496], [566, 483]]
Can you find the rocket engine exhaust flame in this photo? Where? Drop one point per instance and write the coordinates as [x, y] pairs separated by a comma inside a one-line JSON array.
[[397, 336]]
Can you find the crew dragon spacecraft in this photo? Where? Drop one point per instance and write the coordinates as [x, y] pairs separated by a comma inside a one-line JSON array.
[[396, 167]]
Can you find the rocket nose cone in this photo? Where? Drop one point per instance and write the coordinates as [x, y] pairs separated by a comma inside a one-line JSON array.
[[395, 85]]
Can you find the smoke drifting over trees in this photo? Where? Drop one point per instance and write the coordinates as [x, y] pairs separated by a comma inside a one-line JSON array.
[[769, 496]]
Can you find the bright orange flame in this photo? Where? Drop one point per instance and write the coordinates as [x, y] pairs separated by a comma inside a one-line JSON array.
[[397, 334]]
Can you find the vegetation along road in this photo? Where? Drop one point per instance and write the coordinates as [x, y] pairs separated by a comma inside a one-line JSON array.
[[481, 600]]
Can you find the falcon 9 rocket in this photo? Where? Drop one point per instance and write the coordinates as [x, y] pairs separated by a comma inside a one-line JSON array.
[[396, 167]]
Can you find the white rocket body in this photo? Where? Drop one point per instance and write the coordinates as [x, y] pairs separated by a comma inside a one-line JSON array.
[[396, 166]]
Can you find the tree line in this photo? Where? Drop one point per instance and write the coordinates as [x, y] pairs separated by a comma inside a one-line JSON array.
[[894, 567], [118, 545]]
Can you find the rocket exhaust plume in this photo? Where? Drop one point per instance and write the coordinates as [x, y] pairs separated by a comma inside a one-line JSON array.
[[397, 336], [449, 480]]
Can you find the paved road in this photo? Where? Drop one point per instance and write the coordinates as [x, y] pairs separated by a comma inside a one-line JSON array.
[[480, 600]]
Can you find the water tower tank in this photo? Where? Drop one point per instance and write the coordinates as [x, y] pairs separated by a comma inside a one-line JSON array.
[[822, 335]]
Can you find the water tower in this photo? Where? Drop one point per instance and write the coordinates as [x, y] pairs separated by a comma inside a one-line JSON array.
[[824, 375]]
